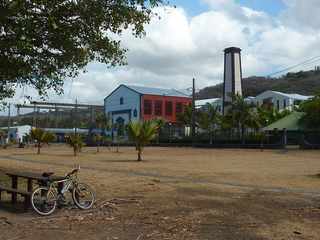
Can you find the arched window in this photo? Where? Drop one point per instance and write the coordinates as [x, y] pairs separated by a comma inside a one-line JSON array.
[[135, 113], [121, 100]]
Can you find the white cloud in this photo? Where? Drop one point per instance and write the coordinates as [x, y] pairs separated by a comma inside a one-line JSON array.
[[178, 48], [302, 14]]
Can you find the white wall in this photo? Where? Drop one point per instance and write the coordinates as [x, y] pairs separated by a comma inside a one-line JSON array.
[[228, 78], [237, 74], [18, 132], [275, 97]]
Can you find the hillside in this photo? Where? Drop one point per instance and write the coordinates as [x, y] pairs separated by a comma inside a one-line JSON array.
[[304, 82]]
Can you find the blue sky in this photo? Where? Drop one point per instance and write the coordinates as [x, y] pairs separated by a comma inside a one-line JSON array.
[[273, 7], [194, 7]]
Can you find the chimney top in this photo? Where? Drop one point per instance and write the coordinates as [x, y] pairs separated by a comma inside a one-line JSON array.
[[232, 50]]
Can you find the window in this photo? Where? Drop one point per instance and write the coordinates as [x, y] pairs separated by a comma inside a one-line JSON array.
[[179, 107], [158, 108], [284, 103], [135, 113], [278, 105], [121, 101], [147, 107], [168, 108]]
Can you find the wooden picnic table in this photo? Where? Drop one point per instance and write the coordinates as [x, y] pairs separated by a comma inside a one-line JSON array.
[[31, 177]]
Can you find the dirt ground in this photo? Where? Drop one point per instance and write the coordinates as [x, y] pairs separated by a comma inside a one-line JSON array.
[[175, 193]]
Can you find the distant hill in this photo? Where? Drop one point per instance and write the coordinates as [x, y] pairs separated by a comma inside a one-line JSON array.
[[303, 82]]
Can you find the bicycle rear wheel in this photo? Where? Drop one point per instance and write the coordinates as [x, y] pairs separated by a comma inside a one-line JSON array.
[[43, 201], [83, 196]]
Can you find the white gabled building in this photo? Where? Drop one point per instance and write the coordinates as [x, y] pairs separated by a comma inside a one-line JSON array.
[[279, 100], [215, 102], [17, 133]]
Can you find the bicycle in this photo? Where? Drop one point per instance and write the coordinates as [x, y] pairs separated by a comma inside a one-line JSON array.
[[44, 199]]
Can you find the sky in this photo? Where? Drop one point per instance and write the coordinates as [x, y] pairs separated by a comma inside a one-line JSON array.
[[189, 39]]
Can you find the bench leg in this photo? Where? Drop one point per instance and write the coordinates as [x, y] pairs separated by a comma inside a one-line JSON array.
[[30, 188], [27, 199], [14, 186], [27, 202]]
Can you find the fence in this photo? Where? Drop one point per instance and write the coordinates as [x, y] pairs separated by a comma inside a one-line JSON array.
[[225, 139]]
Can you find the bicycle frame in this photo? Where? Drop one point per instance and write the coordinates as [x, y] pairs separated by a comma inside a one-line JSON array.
[[68, 183], [50, 193]]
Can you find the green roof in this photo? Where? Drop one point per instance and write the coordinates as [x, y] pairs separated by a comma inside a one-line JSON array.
[[290, 123]]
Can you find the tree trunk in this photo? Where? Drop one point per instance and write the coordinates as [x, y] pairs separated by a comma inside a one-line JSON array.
[[210, 133], [39, 147], [242, 135], [139, 155], [75, 151], [239, 131]]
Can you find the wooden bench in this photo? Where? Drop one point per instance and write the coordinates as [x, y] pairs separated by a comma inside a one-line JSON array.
[[14, 192], [31, 178]]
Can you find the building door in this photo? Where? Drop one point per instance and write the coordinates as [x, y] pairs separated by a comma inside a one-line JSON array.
[[120, 126]]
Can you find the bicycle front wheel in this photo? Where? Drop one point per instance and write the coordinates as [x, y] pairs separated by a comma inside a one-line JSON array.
[[83, 196], [43, 201]]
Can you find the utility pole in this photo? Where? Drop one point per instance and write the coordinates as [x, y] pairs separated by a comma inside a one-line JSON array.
[[18, 115], [56, 115], [76, 117], [34, 116], [193, 111], [9, 122]]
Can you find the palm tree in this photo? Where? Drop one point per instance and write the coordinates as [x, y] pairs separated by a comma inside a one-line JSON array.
[[268, 116], [241, 114], [97, 139], [142, 133], [186, 116], [103, 122], [41, 137], [209, 120], [107, 140], [76, 142], [161, 123]]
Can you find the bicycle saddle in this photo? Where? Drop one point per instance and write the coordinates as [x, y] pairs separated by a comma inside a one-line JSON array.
[[47, 174]]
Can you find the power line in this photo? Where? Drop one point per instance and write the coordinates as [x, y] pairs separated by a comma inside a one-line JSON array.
[[311, 63], [306, 62]]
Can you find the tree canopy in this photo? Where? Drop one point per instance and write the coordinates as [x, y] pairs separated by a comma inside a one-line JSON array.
[[142, 133], [41, 137], [311, 108], [44, 41]]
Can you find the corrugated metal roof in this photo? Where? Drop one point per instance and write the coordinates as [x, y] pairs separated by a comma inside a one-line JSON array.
[[66, 130], [290, 122], [294, 96], [158, 91], [203, 102]]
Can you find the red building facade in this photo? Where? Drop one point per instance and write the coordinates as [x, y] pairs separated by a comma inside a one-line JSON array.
[[165, 107]]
